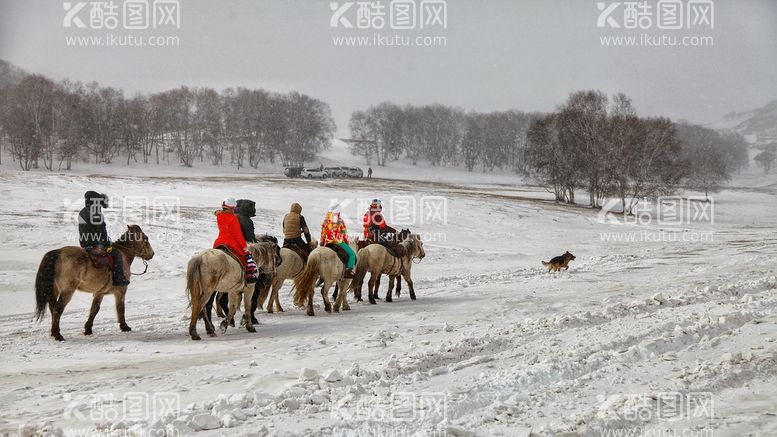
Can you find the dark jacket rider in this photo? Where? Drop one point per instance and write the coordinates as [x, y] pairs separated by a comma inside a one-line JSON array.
[[93, 233]]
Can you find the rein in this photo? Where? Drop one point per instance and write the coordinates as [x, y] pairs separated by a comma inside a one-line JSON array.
[[122, 244]]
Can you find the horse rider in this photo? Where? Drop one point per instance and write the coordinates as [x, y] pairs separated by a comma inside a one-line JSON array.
[[376, 229], [294, 227], [231, 237], [93, 234], [245, 210], [334, 231]]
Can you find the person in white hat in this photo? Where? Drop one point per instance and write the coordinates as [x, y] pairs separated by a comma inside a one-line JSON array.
[[231, 237]]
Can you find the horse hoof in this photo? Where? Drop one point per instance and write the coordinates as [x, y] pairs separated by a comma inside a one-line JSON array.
[[254, 320], [125, 328], [337, 310], [346, 308], [196, 337], [210, 334], [59, 337], [372, 302], [88, 331], [311, 313]]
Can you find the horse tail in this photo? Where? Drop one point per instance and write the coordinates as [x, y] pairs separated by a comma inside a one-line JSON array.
[[194, 280], [44, 282], [544, 263], [307, 279]]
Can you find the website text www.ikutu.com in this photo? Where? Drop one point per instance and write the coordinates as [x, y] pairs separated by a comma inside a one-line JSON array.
[[383, 40], [119, 40], [642, 432], [663, 40]]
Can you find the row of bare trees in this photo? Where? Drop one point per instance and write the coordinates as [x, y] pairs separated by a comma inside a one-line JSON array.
[[52, 124], [604, 148], [439, 134]]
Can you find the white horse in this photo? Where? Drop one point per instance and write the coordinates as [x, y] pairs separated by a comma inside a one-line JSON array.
[[323, 262], [213, 270]]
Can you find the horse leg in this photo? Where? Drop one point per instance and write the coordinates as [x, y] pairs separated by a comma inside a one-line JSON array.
[[248, 307], [310, 311], [223, 303], [263, 293], [371, 287], [334, 293], [221, 310], [409, 280], [209, 328], [325, 296], [119, 296], [390, 287], [376, 297], [57, 307], [234, 298], [255, 300], [277, 300], [207, 312], [399, 285], [96, 301]]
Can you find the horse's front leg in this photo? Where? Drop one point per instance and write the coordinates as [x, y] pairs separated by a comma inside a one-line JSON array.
[[341, 301], [248, 305], [96, 301], [376, 293], [399, 285], [120, 309], [409, 280]]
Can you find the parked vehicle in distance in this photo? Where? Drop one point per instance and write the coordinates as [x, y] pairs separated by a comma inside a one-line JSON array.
[[293, 172], [354, 172], [335, 172], [313, 173]]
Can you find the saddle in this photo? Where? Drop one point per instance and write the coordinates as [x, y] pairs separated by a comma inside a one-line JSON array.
[[241, 259], [394, 249], [100, 258], [341, 253], [302, 251]]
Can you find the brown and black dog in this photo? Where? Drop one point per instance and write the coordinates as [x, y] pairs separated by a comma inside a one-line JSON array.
[[559, 262]]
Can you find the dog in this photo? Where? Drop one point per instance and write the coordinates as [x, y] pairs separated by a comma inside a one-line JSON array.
[[559, 262]]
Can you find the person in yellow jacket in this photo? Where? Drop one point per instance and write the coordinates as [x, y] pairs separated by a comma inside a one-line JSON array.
[[334, 231]]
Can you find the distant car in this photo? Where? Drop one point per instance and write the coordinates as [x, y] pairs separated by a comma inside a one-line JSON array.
[[354, 172], [313, 173], [335, 172], [293, 172]]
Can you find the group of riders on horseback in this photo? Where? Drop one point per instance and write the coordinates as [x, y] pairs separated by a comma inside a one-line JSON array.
[[241, 265]]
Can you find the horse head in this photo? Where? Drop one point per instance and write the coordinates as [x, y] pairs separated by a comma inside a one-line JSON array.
[[418, 246], [136, 240], [266, 238]]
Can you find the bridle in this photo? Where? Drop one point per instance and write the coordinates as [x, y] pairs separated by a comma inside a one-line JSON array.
[[123, 244]]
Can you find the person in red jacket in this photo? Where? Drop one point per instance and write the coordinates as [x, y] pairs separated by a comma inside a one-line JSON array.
[[375, 227], [231, 237]]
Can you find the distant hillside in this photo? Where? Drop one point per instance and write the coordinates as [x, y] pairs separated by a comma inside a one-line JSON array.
[[757, 125]]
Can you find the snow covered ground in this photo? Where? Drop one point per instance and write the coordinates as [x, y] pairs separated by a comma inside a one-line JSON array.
[[655, 328]]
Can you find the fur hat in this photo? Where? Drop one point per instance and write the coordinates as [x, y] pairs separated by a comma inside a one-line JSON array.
[[229, 203]]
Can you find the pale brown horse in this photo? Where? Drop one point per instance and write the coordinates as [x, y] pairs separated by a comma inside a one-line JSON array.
[[65, 270], [213, 271], [323, 262], [376, 260], [291, 266]]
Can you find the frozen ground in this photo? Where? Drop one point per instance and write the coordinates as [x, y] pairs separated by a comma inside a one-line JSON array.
[[493, 345]]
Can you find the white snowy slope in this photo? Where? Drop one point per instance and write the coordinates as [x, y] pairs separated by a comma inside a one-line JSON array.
[[494, 345]]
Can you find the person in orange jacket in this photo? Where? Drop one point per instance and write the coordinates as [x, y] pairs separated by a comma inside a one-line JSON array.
[[334, 231], [231, 236]]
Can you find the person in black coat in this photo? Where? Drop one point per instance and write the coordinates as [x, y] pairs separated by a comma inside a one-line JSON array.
[[93, 233], [245, 210]]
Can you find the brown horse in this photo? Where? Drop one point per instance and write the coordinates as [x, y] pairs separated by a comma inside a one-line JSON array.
[[213, 270], [65, 270], [376, 260]]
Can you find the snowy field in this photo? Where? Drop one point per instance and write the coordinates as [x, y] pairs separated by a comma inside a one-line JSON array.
[[494, 345]]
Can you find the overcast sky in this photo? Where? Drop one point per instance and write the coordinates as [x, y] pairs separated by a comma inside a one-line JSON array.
[[526, 55]]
